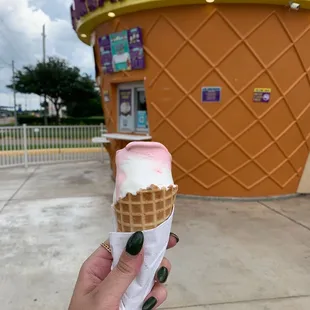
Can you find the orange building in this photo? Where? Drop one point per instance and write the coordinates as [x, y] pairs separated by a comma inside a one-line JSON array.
[[224, 85]]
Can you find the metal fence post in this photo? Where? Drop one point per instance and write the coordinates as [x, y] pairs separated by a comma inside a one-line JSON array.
[[101, 129], [25, 145], [28, 145], [102, 147]]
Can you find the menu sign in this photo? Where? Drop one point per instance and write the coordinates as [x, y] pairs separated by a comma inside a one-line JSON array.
[[122, 51], [136, 48], [105, 54]]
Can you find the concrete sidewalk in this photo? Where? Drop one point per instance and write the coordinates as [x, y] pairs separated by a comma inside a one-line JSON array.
[[231, 255]]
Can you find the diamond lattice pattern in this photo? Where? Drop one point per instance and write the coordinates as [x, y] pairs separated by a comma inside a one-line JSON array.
[[237, 147]]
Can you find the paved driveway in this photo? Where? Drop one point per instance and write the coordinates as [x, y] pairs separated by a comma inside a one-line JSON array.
[[231, 255]]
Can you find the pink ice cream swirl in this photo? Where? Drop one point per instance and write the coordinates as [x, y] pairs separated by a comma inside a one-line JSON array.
[[139, 165]]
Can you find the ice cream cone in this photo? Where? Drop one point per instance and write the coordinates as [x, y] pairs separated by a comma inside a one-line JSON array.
[[143, 200], [146, 210]]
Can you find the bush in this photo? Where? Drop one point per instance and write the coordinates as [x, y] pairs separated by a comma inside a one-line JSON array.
[[95, 120], [52, 121]]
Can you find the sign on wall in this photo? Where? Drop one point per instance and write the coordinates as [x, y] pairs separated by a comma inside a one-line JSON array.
[[142, 122], [122, 51], [262, 95], [211, 94], [106, 96], [125, 109]]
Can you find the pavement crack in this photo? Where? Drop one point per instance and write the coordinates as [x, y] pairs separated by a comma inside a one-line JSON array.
[[19, 188], [284, 215]]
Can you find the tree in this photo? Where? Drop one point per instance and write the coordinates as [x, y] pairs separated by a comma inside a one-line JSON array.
[[59, 82], [87, 108], [83, 99]]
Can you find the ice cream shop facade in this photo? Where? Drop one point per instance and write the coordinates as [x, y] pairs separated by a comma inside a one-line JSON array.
[[225, 86]]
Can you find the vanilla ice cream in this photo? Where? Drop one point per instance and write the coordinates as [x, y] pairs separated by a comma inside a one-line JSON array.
[[140, 165]]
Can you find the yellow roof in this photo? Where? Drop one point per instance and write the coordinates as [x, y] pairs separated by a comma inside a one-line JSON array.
[[94, 17]]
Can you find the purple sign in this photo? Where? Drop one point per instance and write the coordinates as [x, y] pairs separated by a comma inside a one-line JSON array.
[[135, 42], [126, 119], [134, 45], [211, 94], [105, 54], [262, 95]]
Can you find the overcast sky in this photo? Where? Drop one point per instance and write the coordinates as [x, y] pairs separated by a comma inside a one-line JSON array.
[[21, 24]]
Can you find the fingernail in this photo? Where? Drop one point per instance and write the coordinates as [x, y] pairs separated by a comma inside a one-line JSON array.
[[162, 274], [175, 236], [150, 304], [135, 243]]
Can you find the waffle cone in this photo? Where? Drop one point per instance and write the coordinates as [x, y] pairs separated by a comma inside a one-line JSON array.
[[145, 210]]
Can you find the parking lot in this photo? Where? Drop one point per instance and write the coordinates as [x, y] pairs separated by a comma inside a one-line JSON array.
[[231, 255]]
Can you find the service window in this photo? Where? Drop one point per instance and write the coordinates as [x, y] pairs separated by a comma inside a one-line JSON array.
[[132, 108]]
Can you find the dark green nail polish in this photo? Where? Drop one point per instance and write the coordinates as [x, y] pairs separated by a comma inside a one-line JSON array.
[[135, 243], [175, 236], [162, 274], [150, 304]]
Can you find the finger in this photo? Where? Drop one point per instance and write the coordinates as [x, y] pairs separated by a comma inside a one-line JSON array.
[[163, 271], [119, 279], [173, 240], [95, 269], [102, 252], [100, 262], [157, 296]]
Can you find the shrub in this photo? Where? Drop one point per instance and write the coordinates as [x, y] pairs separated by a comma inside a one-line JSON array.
[[52, 121]]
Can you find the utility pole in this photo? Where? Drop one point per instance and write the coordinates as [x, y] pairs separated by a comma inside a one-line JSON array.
[[25, 103], [14, 92], [44, 59]]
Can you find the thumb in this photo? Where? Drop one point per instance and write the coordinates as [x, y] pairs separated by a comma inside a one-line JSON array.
[[116, 283]]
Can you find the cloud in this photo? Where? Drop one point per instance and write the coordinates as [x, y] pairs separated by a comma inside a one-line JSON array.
[[21, 24]]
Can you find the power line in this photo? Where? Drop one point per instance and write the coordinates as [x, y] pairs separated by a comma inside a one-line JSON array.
[[9, 41], [5, 62]]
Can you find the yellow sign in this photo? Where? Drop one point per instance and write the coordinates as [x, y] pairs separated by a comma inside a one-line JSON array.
[[262, 90], [262, 95]]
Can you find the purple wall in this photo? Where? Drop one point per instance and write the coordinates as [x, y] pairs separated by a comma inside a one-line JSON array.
[[73, 20], [81, 8]]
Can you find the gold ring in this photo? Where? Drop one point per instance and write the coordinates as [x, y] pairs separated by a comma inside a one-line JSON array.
[[107, 247]]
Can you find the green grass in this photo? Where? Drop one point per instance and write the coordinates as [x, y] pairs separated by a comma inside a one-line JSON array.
[[7, 125]]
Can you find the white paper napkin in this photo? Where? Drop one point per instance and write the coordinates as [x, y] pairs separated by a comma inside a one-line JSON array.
[[155, 244]]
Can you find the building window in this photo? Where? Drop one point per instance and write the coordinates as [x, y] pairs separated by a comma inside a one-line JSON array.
[[132, 108]]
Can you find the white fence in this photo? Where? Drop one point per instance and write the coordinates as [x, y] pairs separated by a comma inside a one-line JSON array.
[[32, 145]]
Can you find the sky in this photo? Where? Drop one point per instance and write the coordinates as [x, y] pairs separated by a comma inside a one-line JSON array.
[[21, 24]]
